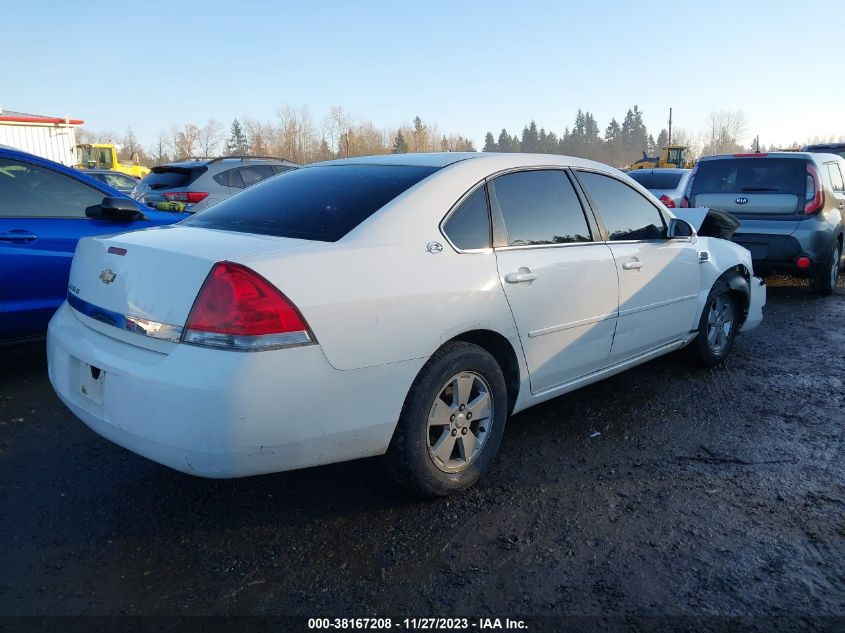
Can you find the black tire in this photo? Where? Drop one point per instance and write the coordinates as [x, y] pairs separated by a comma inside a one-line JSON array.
[[408, 457], [702, 350], [824, 280]]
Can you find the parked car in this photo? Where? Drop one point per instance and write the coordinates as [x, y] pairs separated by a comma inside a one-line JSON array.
[[827, 148], [114, 179], [667, 185], [401, 305], [194, 185], [790, 205], [45, 208]]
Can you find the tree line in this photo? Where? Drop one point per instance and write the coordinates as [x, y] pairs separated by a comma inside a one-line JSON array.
[[296, 135]]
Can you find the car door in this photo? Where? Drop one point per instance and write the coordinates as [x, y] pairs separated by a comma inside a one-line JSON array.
[[658, 277], [559, 278], [42, 216]]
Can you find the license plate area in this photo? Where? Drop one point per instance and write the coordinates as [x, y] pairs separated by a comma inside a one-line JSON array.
[[91, 380]]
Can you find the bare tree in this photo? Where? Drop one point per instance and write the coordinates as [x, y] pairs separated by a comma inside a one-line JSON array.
[[209, 138], [724, 132]]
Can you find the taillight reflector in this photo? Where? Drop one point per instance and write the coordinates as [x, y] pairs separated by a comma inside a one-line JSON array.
[[814, 196], [191, 197], [803, 262], [237, 308], [667, 201]]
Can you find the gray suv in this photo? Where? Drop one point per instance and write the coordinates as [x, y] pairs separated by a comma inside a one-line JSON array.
[[790, 204], [196, 184]]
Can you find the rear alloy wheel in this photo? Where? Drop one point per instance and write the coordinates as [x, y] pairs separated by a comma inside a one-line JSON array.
[[452, 422], [717, 326], [824, 281]]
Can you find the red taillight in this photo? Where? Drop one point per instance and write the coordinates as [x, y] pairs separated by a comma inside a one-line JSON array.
[[667, 201], [803, 262], [814, 196], [191, 197], [237, 308]]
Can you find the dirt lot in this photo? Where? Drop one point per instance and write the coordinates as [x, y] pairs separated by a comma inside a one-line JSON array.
[[706, 493]]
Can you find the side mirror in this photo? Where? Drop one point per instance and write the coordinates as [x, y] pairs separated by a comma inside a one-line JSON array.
[[680, 228], [117, 209]]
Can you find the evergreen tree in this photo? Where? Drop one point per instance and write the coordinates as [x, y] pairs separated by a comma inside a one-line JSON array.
[[490, 144], [505, 141], [237, 144], [420, 135], [444, 144], [662, 139], [400, 145], [530, 138]]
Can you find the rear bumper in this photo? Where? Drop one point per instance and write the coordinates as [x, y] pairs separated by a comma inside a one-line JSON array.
[[221, 414], [773, 252]]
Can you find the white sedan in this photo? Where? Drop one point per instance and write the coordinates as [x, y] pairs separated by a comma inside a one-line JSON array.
[[402, 305]]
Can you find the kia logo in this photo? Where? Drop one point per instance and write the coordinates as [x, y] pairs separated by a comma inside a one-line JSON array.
[[742, 200]]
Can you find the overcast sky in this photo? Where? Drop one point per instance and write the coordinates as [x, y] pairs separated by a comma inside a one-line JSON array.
[[467, 66]]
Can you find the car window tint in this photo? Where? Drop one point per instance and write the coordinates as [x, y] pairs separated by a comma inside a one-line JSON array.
[[469, 225], [230, 178], [316, 203], [835, 177], [656, 180], [280, 169], [540, 207], [762, 174], [626, 213], [32, 191], [167, 177], [121, 183], [255, 173]]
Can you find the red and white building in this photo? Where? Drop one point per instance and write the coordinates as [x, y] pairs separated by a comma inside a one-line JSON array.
[[49, 137]]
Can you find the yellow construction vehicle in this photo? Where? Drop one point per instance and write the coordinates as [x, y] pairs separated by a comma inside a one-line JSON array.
[[672, 156], [104, 156]]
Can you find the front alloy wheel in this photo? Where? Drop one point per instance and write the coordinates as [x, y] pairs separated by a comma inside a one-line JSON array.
[[720, 322]]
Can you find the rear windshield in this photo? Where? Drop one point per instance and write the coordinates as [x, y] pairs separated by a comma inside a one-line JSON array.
[[171, 177], [751, 175], [660, 180], [317, 203]]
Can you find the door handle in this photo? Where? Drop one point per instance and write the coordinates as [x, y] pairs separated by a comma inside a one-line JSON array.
[[632, 265], [18, 235], [516, 278]]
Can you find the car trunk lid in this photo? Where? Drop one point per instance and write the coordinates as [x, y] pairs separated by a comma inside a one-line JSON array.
[[150, 279]]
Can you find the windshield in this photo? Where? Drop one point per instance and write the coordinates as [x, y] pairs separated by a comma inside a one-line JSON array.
[[316, 203]]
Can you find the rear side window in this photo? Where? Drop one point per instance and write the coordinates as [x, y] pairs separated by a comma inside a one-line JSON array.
[[255, 174], [280, 169], [660, 180], [165, 177], [540, 207], [751, 175], [316, 203], [835, 177], [626, 213], [468, 227], [230, 178], [32, 191]]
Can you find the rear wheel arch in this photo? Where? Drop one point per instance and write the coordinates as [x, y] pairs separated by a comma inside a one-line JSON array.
[[503, 352]]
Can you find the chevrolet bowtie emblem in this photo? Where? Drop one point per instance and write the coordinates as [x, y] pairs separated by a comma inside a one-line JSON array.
[[107, 276]]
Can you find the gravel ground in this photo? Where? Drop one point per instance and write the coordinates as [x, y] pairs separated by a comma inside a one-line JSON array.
[[706, 493]]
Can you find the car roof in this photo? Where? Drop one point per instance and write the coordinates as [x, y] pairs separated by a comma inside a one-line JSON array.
[[501, 160], [816, 146], [660, 170], [227, 160], [796, 155]]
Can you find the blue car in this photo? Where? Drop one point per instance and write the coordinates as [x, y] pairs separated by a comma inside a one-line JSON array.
[[45, 208]]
